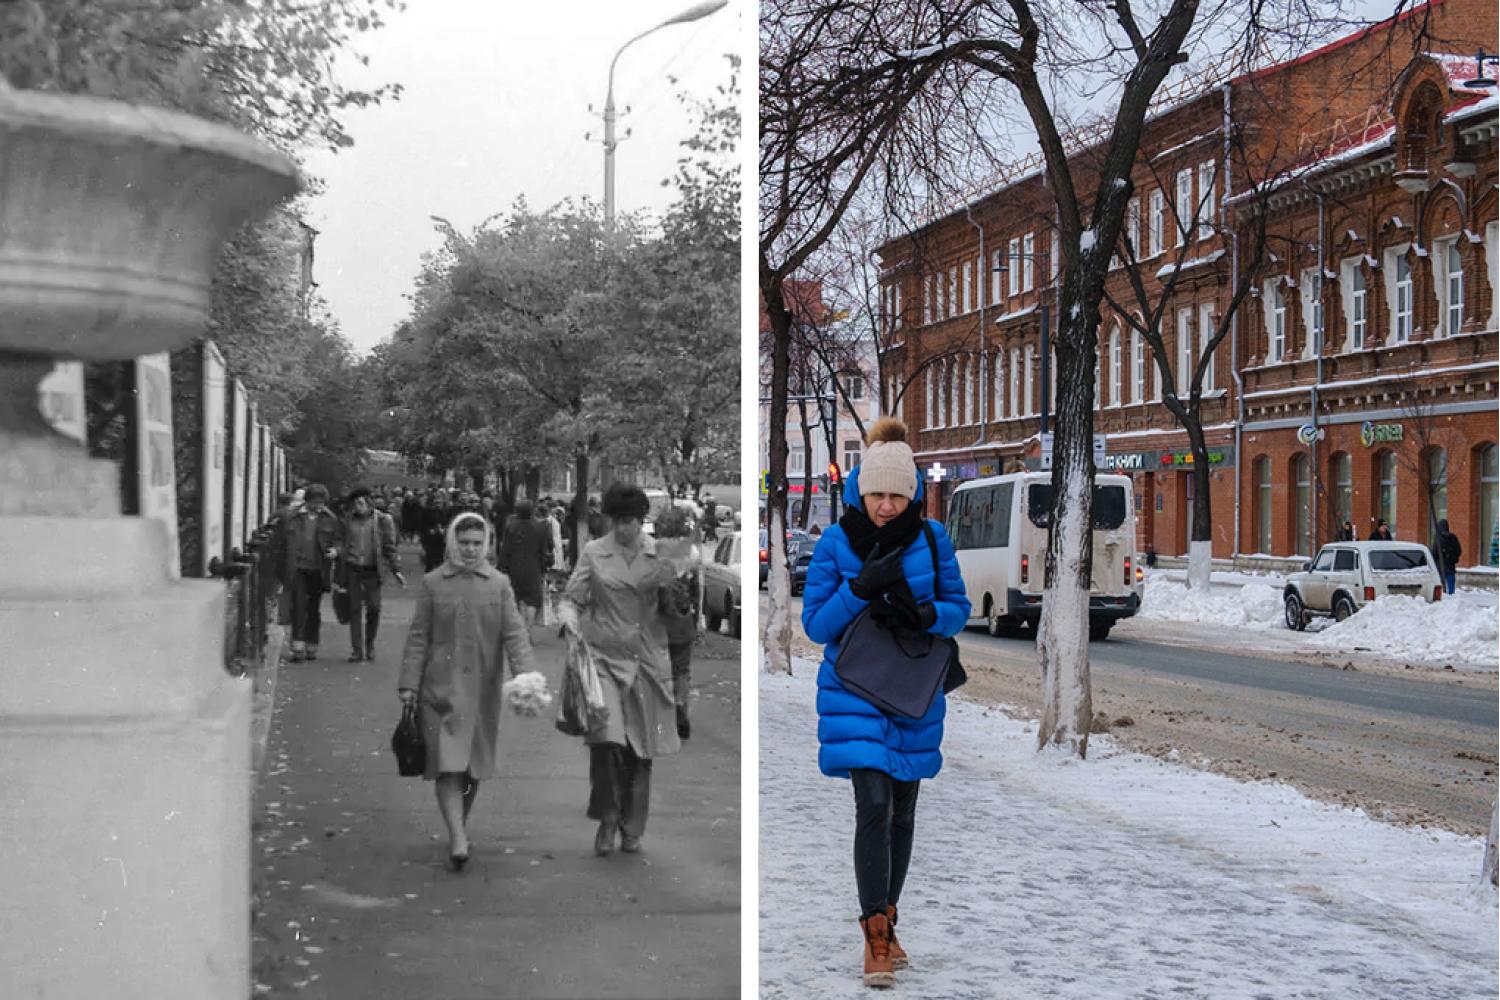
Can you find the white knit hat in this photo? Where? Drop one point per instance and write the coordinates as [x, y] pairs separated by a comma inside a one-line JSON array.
[[888, 466]]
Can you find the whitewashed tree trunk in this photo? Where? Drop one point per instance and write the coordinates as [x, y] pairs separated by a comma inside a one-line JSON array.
[[1200, 563], [1491, 871], [1063, 632], [778, 634]]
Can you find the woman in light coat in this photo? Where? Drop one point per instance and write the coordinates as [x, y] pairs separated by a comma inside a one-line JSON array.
[[453, 668], [614, 603]]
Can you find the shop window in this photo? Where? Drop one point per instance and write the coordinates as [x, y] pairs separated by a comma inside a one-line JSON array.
[[1302, 505], [1264, 496], [1435, 482], [1341, 472], [1385, 488], [1489, 505]]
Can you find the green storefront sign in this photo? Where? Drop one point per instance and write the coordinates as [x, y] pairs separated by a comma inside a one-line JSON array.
[[1371, 433]]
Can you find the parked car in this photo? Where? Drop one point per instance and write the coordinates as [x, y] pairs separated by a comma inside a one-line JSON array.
[[799, 555], [1346, 576], [793, 536], [721, 585]]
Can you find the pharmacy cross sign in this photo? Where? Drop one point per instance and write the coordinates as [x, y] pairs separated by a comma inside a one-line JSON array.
[[936, 472]]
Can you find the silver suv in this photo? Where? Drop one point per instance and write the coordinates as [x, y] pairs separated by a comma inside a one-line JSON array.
[[1348, 575]]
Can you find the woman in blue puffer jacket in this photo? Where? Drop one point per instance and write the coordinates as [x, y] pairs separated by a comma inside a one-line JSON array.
[[878, 552]]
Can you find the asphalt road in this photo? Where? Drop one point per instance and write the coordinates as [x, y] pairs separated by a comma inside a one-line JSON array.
[[1408, 746], [352, 897]]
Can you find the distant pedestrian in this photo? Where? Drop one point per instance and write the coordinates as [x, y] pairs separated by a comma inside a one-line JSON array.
[[1346, 533], [369, 542], [880, 555], [435, 517], [710, 518], [308, 550], [1447, 550], [465, 634], [524, 558], [411, 516], [1381, 532], [555, 535], [614, 605], [598, 524]]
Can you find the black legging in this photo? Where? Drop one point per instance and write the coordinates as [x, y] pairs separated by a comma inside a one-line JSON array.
[[885, 819]]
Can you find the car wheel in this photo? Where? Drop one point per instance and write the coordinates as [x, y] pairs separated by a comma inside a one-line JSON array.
[[1343, 608], [1296, 615], [734, 618], [993, 623], [1099, 631], [713, 619]]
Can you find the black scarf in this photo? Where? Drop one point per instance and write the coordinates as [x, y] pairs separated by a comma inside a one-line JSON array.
[[899, 532]]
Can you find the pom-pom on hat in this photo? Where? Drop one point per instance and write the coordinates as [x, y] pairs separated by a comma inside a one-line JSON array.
[[888, 466]]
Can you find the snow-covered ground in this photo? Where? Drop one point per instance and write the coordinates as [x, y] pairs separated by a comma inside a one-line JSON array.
[[1459, 630], [1040, 876]]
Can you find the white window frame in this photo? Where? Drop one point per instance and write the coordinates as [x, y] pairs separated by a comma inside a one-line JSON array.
[[997, 380], [1156, 222], [1138, 367], [851, 455], [1015, 382], [997, 288], [1275, 307], [1449, 284], [1028, 260], [896, 306], [1184, 204], [1208, 206], [1185, 358], [1492, 261], [932, 396], [968, 286], [1116, 381], [1029, 379], [1355, 297], [930, 300], [796, 461], [975, 385], [953, 291], [1133, 226], [1013, 249], [1310, 290], [961, 391], [1205, 334], [1054, 258]]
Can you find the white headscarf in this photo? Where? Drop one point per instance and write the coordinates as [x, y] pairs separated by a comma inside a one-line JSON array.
[[464, 521]]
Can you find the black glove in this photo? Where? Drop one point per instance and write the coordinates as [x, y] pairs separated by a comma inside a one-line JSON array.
[[879, 572], [897, 606]]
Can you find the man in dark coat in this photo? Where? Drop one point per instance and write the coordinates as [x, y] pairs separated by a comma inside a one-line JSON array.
[[369, 542], [1447, 550], [1382, 532], [308, 548], [525, 554], [435, 515], [411, 516]]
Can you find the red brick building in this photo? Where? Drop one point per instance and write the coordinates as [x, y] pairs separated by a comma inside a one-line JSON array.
[[1359, 379]]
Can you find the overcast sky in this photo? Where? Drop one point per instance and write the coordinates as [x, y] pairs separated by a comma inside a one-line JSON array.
[[495, 108]]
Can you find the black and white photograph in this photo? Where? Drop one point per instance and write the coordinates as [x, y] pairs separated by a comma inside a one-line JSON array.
[[1128, 514], [371, 499]]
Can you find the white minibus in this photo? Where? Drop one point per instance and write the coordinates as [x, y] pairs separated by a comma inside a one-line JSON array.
[[999, 529]]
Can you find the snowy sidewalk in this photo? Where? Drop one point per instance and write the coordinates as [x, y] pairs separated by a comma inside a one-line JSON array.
[[1116, 877]]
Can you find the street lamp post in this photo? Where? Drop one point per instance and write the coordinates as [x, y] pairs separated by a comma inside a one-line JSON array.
[[693, 13]]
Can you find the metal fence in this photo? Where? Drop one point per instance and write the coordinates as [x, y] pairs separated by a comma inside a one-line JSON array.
[[249, 605]]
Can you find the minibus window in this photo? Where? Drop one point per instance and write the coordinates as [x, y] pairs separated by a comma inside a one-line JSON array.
[[1108, 509]]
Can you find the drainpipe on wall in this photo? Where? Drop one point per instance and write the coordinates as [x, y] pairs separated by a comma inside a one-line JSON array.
[[1234, 322], [981, 273], [1312, 543]]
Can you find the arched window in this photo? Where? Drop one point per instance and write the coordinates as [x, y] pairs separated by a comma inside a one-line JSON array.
[[1263, 504], [1489, 505], [1435, 482], [1385, 488], [1302, 505], [1339, 468]]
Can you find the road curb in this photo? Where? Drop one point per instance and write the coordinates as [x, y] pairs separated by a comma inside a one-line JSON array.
[[263, 706]]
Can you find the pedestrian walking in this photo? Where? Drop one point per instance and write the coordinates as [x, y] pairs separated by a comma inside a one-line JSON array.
[[369, 543], [465, 634], [435, 516], [598, 524], [524, 558], [308, 549], [555, 535], [1346, 533], [1447, 550], [411, 516], [880, 553], [1381, 532], [614, 604], [681, 613]]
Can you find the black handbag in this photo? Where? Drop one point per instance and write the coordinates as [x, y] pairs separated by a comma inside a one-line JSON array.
[[408, 743], [898, 669]]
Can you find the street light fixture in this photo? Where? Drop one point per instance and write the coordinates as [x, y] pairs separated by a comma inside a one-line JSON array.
[[693, 13], [1480, 80]]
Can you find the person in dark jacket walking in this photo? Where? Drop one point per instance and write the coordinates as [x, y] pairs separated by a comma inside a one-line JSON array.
[[1447, 550], [1346, 533], [1381, 532], [879, 553], [436, 513], [308, 550], [524, 555], [369, 541]]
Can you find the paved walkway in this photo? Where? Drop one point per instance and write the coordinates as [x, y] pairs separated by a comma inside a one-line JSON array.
[[353, 900]]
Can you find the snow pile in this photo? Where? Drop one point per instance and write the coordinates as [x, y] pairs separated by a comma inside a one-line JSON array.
[[1250, 605], [1459, 630], [1038, 875]]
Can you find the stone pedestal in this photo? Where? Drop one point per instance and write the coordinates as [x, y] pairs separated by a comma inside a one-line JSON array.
[[124, 769]]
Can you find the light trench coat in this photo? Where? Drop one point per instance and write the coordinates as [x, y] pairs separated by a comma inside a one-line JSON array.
[[617, 607], [464, 634]]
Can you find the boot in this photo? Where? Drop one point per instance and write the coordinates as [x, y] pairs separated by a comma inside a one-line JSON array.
[[879, 972], [299, 651], [898, 953], [604, 837]]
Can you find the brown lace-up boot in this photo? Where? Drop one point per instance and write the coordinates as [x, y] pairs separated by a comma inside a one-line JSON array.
[[878, 970], [898, 953]]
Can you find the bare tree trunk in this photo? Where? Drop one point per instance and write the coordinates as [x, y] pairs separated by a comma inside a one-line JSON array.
[[777, 640], [1063, 632], [807, 467], [1201, 545], [580, 500]]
